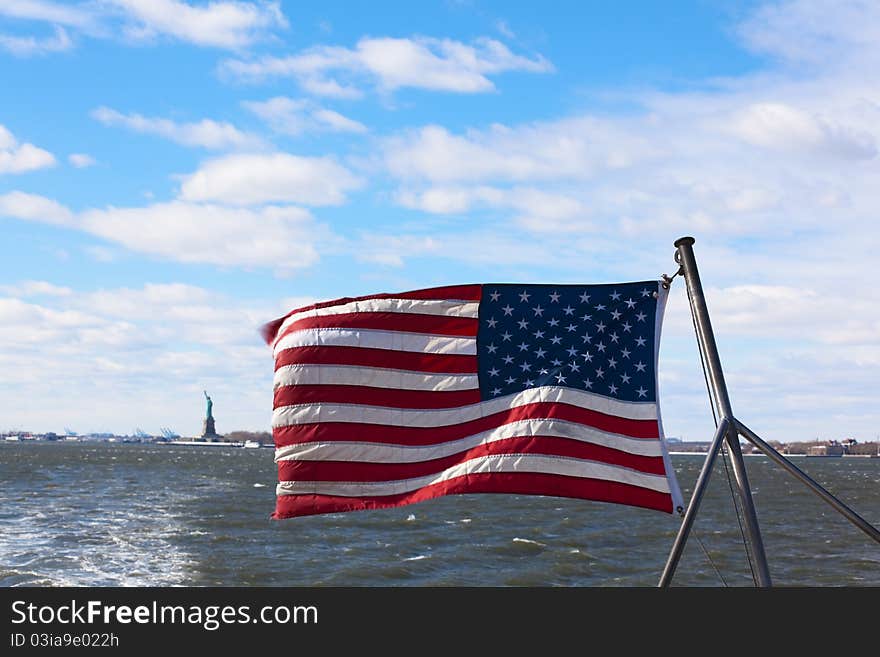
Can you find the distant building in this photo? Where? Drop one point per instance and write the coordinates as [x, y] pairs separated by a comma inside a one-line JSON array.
[[832, 448]]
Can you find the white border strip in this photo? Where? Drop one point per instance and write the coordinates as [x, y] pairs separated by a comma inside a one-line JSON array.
[[495, 463], [376, 377], [408, 417], [371, 452], [675, 491]]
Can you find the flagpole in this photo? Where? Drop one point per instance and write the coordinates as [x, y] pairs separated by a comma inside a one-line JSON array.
[[709, 351]]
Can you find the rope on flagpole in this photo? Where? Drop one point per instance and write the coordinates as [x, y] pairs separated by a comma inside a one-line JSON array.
[[709, 558], [742, 530], [705, 551]]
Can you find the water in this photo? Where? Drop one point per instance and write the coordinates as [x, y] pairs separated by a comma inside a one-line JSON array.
[[93, 514]]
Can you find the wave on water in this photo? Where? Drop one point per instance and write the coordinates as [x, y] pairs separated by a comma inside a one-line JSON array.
[[91, 526], [105, 551]]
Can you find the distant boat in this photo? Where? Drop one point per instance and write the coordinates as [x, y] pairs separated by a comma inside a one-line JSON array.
[[253, 444]]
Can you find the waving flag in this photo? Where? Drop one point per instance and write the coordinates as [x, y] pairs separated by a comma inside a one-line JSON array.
[[391, 399]]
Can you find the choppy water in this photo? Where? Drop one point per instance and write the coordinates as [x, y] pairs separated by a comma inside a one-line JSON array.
[[92, 514]]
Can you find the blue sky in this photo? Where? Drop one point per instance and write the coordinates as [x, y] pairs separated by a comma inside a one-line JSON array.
[[173, 174]]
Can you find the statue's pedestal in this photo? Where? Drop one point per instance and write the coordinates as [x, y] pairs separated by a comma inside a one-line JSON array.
[[208, 430]]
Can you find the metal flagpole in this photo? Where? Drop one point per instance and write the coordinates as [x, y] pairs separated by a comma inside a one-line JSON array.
[[709, 350], [729, 429]]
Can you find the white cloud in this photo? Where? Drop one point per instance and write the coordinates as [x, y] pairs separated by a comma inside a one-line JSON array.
[[219, 23], [201, 227], [783, 311], [337, 122], [32, 207], [81, 160], [283, 238], [783, 127], [294, 117], [827, 33], [441, 64], [36, 288], [390, 64], [534, 208], [500, 251], [274, 237], [45, 322], [144, 302], [205, 133], [277, 177], [19, 158], [728, 163], [72, 15], [330, 88], [29, 46], [575, 148], [228, 24]]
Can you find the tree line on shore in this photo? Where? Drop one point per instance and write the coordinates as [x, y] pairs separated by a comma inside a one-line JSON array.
[[851, 447], [241, 436]]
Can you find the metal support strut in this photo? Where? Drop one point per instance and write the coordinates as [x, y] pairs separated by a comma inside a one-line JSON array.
[[729, 430]]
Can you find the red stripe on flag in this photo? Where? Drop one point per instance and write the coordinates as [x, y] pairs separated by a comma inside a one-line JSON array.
[[295, 470], [388, 397], [381, 433], [447, 293], [387, 358], [522, 483]]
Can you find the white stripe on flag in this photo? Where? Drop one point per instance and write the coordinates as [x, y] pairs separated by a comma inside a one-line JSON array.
[[493, 463], [370, 452], [452, 308], [407, 417], [376, 377], [377, 339]]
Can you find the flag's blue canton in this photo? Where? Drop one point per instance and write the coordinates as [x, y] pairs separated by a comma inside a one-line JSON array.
[[598, 338]]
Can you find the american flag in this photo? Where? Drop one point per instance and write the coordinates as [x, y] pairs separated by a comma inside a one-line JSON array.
[[391, 399]]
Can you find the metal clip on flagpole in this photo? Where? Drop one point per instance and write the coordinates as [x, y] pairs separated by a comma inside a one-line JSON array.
[[729, 430]]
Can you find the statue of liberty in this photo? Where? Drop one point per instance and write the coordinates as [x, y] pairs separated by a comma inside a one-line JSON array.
[[208, 430]]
